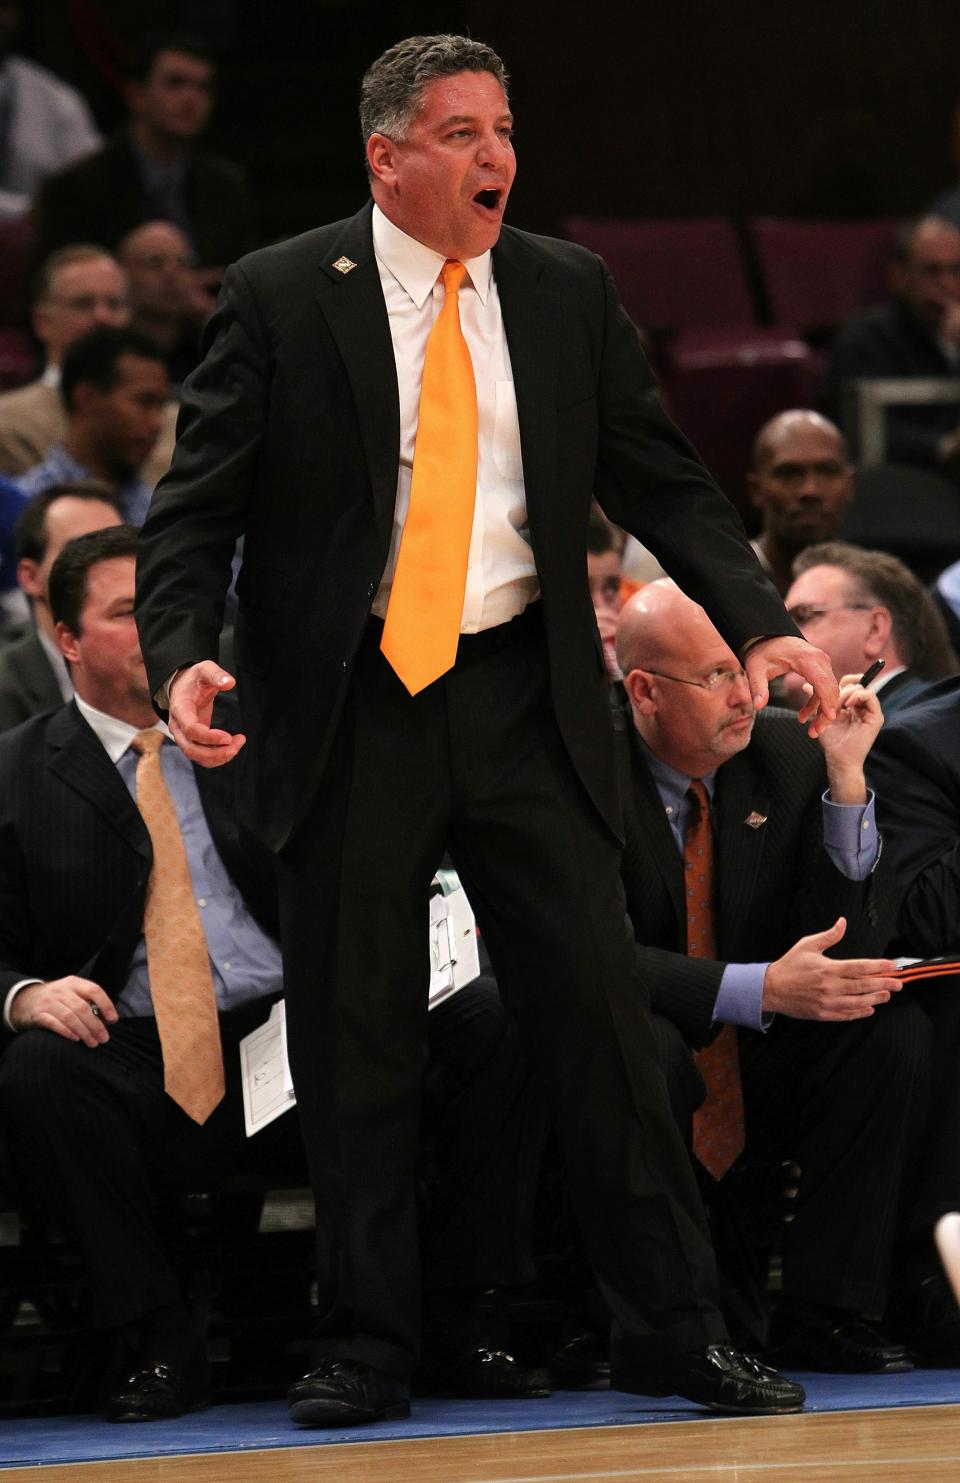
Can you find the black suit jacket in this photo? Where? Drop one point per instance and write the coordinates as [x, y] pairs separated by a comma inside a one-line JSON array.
[[100, 199], [75, 855], [775, 884], [289, 432], [915, 769], [28, 684], [890, 340]]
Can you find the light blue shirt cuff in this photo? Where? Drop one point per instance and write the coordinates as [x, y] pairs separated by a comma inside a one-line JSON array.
[[740, 997], [850, 836]]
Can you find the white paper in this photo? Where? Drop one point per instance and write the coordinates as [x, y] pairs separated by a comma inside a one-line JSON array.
[[265, 1072], [454, 961]]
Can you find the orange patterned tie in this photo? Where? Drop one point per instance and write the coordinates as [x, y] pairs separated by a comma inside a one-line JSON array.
[[718, 1134], [422, 626], [181, 984]]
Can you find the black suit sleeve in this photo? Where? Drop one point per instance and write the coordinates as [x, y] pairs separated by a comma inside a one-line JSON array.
[[199, 509], [918, 799]]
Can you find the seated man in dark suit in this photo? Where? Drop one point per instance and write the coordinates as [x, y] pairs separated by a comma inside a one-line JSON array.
[[93, 836], [915, 769], [154, 168], [832, 1069], [33, 673], [859, 606], [915, 333]]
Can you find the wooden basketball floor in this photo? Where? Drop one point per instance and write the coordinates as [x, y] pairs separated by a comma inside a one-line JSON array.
[[917, 1442]]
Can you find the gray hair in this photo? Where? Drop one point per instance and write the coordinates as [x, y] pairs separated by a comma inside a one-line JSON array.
[[393, 85]]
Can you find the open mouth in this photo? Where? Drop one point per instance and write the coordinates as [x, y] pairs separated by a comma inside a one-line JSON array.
[[489, 199]]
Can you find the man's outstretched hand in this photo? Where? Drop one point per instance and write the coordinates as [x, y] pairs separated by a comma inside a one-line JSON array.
[[784, 654], [192, 693]]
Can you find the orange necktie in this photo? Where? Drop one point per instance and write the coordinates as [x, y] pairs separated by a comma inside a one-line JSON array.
[[422, 626], [718, 1125], [181, 984]]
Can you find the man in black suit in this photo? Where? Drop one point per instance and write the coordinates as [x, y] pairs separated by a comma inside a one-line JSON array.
[[833, 1074], [33, 674], [299, 429], [916, 773], [92, 1133], [915, 333], [153, 169]]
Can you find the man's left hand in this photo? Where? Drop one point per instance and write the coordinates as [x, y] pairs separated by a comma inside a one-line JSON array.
[[783, 655], [848, 739]]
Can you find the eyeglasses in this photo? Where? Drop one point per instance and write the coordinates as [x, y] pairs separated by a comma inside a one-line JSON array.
[[807, 612], [715, 680]]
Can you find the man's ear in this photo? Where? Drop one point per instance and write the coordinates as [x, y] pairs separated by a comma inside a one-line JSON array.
[[878, 635], [28, 576], [67, 642], [381, 157], [639, 687]]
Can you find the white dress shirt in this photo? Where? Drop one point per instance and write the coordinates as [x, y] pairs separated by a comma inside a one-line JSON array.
[[501, 574]]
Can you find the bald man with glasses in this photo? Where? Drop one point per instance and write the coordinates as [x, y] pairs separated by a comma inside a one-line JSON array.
[[827, 1061]]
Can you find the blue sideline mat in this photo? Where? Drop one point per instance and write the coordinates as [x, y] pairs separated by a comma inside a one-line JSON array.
[[265, 1424]]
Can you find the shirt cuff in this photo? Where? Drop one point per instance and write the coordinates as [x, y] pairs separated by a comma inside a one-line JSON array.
[[850, 836], [740, 997], [11, 995]]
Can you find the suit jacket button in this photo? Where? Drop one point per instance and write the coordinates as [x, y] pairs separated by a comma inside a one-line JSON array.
[[371, 589], [344, 665]]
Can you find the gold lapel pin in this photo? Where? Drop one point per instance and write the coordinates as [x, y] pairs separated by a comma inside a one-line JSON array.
[[344, 265], [754, 820]]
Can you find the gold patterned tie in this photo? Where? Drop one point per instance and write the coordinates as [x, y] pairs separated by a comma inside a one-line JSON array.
[[181, 984], [718, 1131], [422, 626]]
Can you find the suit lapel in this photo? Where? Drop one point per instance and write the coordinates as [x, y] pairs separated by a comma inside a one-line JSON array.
[[77, 757], [529, 320], [351, 301], [739, 796]]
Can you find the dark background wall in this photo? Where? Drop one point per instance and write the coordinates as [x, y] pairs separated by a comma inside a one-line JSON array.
[[832, 109]]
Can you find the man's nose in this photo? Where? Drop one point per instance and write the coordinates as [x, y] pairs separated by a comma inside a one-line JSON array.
[[740, 689]]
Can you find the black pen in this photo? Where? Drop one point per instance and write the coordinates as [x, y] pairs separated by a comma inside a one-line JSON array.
[[872, 672]]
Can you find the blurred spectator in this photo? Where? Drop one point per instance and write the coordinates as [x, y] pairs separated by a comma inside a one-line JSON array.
[[794, 891], [114, 389], [44, 124], [916, 333], [33, 674], [859, 606], [77, 288], [801, 483], [167, 301], [606, 590], [153, 169]]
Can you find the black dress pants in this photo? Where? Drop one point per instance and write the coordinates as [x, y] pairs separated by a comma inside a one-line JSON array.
[[849, 1103], [95, 1140], [475, 763]]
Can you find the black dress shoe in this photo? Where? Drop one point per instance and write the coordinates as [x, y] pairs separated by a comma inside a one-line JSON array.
[[154, 1393], [808, 1337], [721, 1377], [345, 1392], [581, 1363], [484, 1375]]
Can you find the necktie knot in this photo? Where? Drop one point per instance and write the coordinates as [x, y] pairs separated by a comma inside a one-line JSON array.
[[699, 797], [453, 274], [148, 742]]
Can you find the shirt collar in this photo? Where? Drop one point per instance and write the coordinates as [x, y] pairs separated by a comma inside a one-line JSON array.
[[116, 735], [416, 267], [672, 785]]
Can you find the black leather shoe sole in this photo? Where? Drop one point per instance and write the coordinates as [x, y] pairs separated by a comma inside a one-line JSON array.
[[784, 1405], [317, 1411]]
